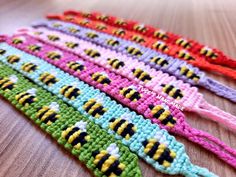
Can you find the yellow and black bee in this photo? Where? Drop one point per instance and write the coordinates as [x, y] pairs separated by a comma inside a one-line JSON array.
[[75, 136], [13, 59], [48, 78], [172, 91], [37, 33], [53, 38], [101, 27], [122, 127], [113, 42], [183, 43], [185, 55], [91, 35], [108, 164], [73, 30], [34, 48], [57, 25], [162, 114], [87, 15], [92, 53], [75, 66], [84, 22], [189, 73], [8, 83], [134, 51], [54, 55], [131, 93], [101, 78], [159, 152], [70, 92], [29, 67], [102, 17], [161, 34], [120, 22], [119, 32], [140, 28], [2, 51], [160, 61], [69, 17], [26, 98], [17, 41], [115, 63], [137, 39], [208, 53], [94, 108], [71, 45], [141, 75], [47, 114], [159, 45]]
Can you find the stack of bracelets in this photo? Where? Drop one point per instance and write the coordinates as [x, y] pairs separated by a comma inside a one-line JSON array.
[[111, 90]]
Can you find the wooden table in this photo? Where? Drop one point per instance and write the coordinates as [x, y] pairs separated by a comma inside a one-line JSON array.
[[27, 151]]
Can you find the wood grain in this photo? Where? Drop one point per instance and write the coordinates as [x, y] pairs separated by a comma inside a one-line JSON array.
[[27, 151]]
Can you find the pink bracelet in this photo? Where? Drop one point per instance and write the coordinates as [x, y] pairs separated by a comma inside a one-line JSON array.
[[117, 86]]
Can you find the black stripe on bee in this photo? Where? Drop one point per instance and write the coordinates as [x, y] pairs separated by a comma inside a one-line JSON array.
[[17, 41], [101, 78], [34, 48], [183, 43], [91, 35], [137, 39], [73, 30], [113, 42], [208, 53], [71, 45], [75, 66], [2, 51], [159, 45], [25, 98], [115, 63], [172, 91], [53, 38], [119, 32], [185, 55], [189, 73], [53, 55], [161, 35], [101, 27], [29, 67], [6, 84], [141, 75], [94, 108], [13, 59], [160, 61], [130, 93], [134, 51], [140, 28], [92, 53], [48, 79], [70, 92], [47, 115]]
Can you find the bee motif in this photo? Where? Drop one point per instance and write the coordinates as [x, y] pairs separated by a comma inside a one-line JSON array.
[[8, 83], [120, 22], [140, 28], [102, 17], [101, 78], [54, 55], [160, 61], [76, 66], [141, 75], [48, 114], [159, 152], [131, 93], [84, 22], [37, 33], [208, 52], [48, 78], [189, 73], [134, 51], [137, 39], [73, 30], [172, 91], [87, 15], [161, 34], [108, 161], [18, 40], [13, 59], [76, 135], [122, 127], [115, 63], [53, 38], [69, 17], [92, 53], [94, 108], [185, 55], [57, 25], [113, 42], [163, 114], [34, 48], [71, 45], [119, 32], [159, 45], [2, 51], [91, 35], [26, 98], [101, 27], [183, 43], [29, 67], [70, 92]]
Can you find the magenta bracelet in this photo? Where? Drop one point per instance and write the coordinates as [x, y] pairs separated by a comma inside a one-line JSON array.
[[112, 84]]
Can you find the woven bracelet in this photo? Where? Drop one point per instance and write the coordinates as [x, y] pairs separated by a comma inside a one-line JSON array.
[[203, 52], [162, 84], [130, 94], [158, 61], [109, 115], [87, 141]]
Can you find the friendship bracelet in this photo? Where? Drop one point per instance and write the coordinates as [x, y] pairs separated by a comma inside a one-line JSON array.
[[130, 94], [205, 53], [151, 143], [93, 146], [180, 69], [161, 84]]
